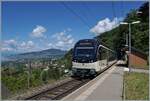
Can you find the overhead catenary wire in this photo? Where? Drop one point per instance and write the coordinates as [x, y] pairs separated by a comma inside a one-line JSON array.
[[89, 11], [122, 5], [114, 13], [85, 12], [122, 13], [113, 9], [76, 14]]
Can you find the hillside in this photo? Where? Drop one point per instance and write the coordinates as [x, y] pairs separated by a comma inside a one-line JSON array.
[[49, 53], [115, 38]]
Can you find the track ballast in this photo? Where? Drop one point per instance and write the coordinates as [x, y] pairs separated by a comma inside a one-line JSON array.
[[60, 91]]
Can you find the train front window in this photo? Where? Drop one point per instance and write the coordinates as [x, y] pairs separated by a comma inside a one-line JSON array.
[[84, 51]]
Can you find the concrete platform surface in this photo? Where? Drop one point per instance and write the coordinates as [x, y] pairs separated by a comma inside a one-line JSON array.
[[139, 70], [107, 86]]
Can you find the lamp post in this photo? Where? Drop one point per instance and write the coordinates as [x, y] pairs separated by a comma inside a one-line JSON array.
[[29, 73], [28, 78], [131, 23], [126, 40], [139, 12]]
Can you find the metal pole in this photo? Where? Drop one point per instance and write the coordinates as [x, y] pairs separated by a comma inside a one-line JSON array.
[[127, 40], [129, 47], [29, 72], [41, 76], [28, 79]]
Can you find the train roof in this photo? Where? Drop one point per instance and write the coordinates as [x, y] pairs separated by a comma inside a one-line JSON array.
[[106, 48], [95, 41], [88, 40]]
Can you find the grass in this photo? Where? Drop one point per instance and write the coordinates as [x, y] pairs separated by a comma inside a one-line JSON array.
[[136, 86], [17, 84], [25, 91]]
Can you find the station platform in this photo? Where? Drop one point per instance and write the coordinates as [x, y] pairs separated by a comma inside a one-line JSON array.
[[107, 86]]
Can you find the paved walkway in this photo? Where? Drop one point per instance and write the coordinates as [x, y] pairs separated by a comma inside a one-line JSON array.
[[139, 70], [107, 86]]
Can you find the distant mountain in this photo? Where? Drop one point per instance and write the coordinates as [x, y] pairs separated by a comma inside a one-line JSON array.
[[49, 53], [5, 55]]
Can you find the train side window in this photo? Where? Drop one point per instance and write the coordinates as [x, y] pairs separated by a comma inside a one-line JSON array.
[[103, 53], [99, 54], [111, 56]]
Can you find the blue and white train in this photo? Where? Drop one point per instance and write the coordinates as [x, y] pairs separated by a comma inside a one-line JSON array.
[[89, 58]]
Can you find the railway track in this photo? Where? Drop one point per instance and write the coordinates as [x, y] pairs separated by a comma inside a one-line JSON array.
[[60, 91]]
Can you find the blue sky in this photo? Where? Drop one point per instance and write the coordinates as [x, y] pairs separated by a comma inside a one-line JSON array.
[[33, 26]]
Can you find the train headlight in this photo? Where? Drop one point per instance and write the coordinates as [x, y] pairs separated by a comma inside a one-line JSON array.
[[91, 61], [92, 71], [74, 70], [75, 60]]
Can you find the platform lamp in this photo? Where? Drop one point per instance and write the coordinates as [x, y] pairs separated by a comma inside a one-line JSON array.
[[129, 24]]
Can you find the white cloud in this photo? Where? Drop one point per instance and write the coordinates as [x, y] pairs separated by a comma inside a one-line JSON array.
[[11, 41], [4, 49], [30, 43], [26, 45], [38, 31], [50, 45], [62, 40], [9, 45], [105, 25], [23, 44], [14, 46]]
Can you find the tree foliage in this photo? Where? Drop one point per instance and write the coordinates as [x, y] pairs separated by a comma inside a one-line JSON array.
[[116, 38]]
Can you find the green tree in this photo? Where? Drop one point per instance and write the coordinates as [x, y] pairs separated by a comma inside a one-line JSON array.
[[115, 38]]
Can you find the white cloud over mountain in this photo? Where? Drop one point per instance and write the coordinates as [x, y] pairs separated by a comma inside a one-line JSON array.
[[9, 45], [11, 41], [4, 49], [38, 31], [26, 45], [13, 45], [105, 25], [62, 40]]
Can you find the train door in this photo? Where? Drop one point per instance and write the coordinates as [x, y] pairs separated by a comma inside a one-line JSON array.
[[98, 59], [103, 58]]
